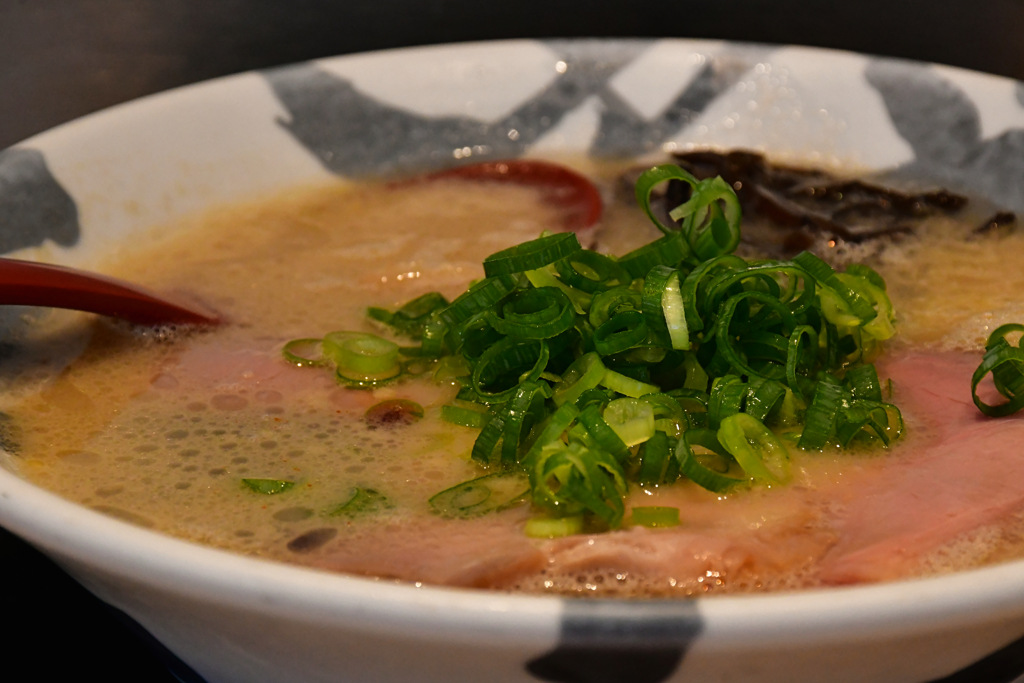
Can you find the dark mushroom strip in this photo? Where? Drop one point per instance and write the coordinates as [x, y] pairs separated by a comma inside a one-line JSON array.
[[999, 223], [799, 206]]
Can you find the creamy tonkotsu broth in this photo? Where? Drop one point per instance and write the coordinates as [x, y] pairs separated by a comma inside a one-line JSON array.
[[161, 431]]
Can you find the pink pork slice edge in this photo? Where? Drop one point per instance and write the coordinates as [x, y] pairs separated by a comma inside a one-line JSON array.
[[962, 471], [958, 471]]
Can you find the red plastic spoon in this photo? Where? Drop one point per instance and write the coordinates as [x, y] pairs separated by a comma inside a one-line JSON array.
[[24, 283], [560, 186]]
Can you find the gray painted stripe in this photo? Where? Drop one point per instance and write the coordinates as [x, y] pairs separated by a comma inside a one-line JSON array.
[[352, 133], [609, 641], [33, 205], [941, 124]]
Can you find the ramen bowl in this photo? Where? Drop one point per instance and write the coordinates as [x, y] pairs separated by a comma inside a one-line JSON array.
[[78, 193]]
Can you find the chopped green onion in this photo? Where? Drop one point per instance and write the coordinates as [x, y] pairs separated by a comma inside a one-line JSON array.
[[655, 461], [561, 354], [557, 527], [550, 431], [489, 493], [655, 516], [531, 255], [763, 397], [820, 420], [691, 466], [631, 419], [626, 385], [666, 251], [477, 298], [501, 368], [669, 416], [591, 272], [653, 293], [465, 417], [360, 502], [362, 357], [1006, 363], [725, 399], [761, 455], [412, 318], [585, 373], [710, 229], [539, 313], [602, 433], [622, 331], [840, 304], [269, 487], [675, 314], [543, 277], [864, 384], [515, 417], [305, 353], [653, 177], [796, 357], [487, 441], [572, 479], [607, 304]]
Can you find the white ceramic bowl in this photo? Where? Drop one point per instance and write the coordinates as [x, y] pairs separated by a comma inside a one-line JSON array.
[[83, 189]]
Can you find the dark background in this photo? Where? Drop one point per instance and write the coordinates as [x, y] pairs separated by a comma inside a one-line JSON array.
[[60, 59]]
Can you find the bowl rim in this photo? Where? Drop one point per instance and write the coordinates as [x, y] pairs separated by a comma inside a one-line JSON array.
[[78, 536]]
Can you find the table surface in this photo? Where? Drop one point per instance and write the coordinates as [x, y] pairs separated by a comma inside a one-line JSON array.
[[60, 60]]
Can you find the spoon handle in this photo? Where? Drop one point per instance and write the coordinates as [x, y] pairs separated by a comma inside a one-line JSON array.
[[26, 283]]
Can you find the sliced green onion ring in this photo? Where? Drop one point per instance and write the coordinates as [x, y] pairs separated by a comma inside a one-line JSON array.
[[477, 298], [531, 255], [361, 501], [710, 229], [665, 251], [820, 419], [554, 527], [515, 417], [509, 359], [621, 332], [996, 358], [674, 309], [795, 355], [840, 304], [603, 435], [628, 386], [655, 516], [615, 300], [757, 450], [586, 372], [305, 353], [693, 470], [630, 418], [362, 357], [489, 493], [465, 417], [653, 177], [551, 430], [653, 294], [268, 487], [591, 272], [654, 460], [539, 313]]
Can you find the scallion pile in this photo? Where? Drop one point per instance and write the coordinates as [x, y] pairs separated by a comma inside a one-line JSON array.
[[587, 373]]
